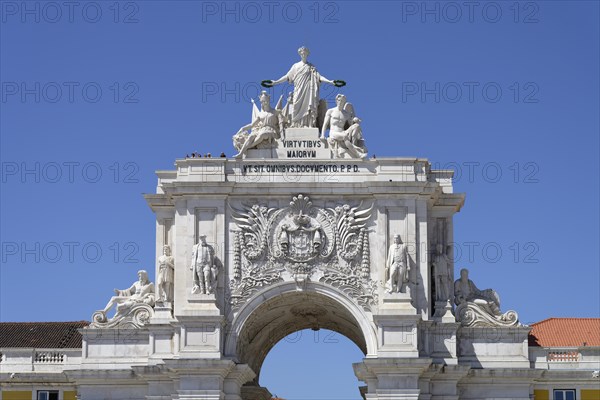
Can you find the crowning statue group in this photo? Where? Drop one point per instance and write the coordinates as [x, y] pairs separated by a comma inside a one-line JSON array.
[[304, 109]]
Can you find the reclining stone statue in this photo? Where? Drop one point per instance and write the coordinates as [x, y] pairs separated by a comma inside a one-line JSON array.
[[134, 306], [479, 307]]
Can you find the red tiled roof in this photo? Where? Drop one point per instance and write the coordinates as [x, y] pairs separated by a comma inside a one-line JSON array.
[[41, 335], [565, 332]]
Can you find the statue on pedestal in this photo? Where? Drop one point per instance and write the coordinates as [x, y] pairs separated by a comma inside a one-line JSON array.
[[204, 270], [134, 305], [305, 100], [267, 125], [397, 267], [479, 307], [345, 133], [166, 271]]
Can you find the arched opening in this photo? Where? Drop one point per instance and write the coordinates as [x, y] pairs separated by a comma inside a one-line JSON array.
[[281, 310], [312, 365]]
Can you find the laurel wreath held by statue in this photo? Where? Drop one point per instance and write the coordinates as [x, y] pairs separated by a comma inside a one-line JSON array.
[[269, 83]]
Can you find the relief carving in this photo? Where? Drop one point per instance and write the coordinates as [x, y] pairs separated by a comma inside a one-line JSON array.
[[299, 243]]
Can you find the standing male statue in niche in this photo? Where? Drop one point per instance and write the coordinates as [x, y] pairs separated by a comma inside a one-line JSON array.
[[441, 273], [166, 272], [204, 270], [397, 267], [305, 99]]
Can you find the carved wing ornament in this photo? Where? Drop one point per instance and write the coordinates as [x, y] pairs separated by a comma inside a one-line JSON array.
[[350, 222], [254, 223]]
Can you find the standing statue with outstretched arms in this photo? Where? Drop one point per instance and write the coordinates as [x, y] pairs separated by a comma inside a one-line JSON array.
[[306, 80]]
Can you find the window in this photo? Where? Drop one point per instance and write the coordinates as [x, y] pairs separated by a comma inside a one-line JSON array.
[[564, 394], [47, 395]]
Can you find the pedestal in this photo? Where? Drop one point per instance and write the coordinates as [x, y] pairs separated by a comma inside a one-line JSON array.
[[443, 312], [494, 347], [201, 305], [303, 143], [163, 313], [397, 326], [398, 304], [297, 144], [438, 341]]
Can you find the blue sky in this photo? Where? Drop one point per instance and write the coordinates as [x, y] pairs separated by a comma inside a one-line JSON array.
[[96, 96]]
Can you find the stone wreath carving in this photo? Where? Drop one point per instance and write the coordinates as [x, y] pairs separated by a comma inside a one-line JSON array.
[[299, 243]]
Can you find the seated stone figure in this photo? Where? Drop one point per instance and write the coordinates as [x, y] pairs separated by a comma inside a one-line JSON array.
[[479, 307], [345, 133], [138, 297], [267, 125]]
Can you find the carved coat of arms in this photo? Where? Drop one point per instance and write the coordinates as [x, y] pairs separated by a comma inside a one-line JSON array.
[[302, 242]]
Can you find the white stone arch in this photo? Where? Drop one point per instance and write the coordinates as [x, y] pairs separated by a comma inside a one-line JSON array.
[[265, 319]]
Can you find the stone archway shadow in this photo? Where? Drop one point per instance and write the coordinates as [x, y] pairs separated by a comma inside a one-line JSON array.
[[281, 309]]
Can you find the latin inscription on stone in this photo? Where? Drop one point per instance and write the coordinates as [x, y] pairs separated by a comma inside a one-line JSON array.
[[299, 168], [302, 148]]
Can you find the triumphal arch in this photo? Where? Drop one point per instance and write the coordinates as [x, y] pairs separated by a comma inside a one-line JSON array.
[[303, 228]]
